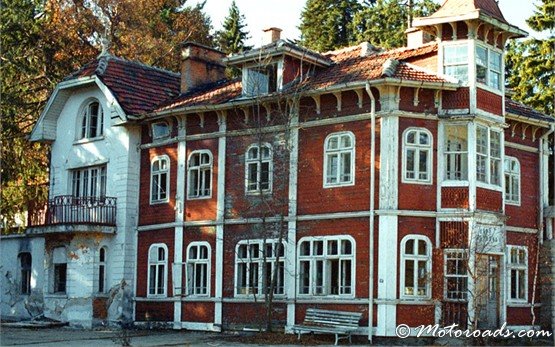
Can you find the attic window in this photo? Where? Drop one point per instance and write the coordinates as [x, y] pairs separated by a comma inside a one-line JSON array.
[[260, 80], [91, 121], [160, 130]]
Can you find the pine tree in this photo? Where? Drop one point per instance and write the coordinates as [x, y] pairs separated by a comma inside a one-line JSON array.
[[384, 22], [328, 24], [530, 64], [233, 36]]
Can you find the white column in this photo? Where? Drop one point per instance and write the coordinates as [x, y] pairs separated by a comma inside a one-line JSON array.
[[177, 272], [220, 215]]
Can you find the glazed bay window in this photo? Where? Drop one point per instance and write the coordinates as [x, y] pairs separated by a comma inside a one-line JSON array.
[[89, 182], [199, 173], [256, 264], [456, 274], [455, 61], [488, 67], [339, 156], [512, 181], [159, 179], [326, 266], [488, 156], [157, 270], [258, 166], [518, 273], [417, 156], [198, 269], [261, 80], [456, 153], [416, 267]]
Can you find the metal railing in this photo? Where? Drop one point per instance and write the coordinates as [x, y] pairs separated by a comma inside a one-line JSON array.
[[68, 209]]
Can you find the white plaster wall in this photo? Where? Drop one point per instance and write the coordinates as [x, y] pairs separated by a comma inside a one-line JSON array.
[[13, 304]]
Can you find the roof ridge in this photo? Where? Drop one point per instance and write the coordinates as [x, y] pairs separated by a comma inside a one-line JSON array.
[[151, 67], [431, 72]]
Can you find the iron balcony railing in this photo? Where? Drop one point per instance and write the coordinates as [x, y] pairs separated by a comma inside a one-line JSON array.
[[68, 209]]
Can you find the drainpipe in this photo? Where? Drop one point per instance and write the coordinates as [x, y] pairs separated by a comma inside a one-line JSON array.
[[372, 209]]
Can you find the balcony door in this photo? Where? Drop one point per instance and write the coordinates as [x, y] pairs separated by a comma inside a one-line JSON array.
[[88, 190], [487, 291]]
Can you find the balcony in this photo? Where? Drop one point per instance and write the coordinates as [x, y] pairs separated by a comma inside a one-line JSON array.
[[67, 213]]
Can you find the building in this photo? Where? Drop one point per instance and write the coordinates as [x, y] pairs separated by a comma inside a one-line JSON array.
[[386, 182]]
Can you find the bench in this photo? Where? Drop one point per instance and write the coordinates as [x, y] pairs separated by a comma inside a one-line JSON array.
[[326, 321]]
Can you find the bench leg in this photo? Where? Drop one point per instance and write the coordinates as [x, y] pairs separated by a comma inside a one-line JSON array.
[[350, 342], [336, 339]]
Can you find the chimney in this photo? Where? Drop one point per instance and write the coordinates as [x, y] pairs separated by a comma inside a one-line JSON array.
[[271, 35], [200, 65], [417, 37]]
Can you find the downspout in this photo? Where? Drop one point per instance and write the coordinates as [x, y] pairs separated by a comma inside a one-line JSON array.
[[540, 220], [372, 210]]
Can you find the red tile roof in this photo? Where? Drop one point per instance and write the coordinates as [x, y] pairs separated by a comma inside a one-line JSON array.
[[520, 109], [138, 88], [214, 94]]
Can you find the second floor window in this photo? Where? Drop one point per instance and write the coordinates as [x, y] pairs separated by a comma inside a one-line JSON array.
[[92, 122], [488, 67], [160, 130], [456, 153], [512, 181], [339, 156], [258, 165], [417, 162], [455, 61], [200, 175], [159, 179], [89, 182], [261, 80], [488, 156]]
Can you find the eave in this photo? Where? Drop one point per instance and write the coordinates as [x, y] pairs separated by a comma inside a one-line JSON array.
[[278, 50]]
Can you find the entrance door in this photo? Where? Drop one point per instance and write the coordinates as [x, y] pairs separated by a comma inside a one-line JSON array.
[[487, 291]]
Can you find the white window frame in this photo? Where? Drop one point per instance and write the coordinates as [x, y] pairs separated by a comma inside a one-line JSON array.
[[83, 184], [59, 257], [340, 165], [417, 148], [489, 159], [458, 255], [156, 199], [164, 135], [517, 267], [324, 258], [512, 177], [85, 121], [458, 155], [415, 258], [200, 169], [102, 276], [258, 163], [248, 81], [489, 69], [464, 63], [190, 269], [249, 291], [157, 263]]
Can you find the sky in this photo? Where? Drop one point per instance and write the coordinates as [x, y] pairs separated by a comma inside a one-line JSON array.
[[285, 14]]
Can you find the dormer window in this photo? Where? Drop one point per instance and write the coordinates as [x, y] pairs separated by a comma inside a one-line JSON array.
[[160, 130], [92, 123], [261, 80]]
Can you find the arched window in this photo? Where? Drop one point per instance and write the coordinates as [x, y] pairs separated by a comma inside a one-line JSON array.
[[200, 175], [416, 267], [159, 179], [25, 264], [157, 270], [102, 260], [92, 121], [339, 159], [258, 167], [198, 269], [512, 181], [327, 266], [417, 156]]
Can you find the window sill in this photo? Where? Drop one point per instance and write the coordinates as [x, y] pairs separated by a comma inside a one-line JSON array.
[[512, 203], [521, 304], [156, 297], [328, 186], [488, 88], [189, 198], [488, 186], [159, 202], [257, 193], [55, 296], [88, 140], [455, 183], [422, 183]]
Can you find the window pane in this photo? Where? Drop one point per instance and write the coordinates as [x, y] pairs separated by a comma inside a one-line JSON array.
[[481, 64], [409, 277], [455, 54], [409, 246], [346, 141], [424, 139], [422, 280], [346, 167], [333, 142], [305, 248], [318, 248], [410, 164], [411, 137], [422, 247], [423, 165]]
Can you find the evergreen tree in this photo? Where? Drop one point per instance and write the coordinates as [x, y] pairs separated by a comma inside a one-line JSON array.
[[530, 64], [328, 24], [233, 36], [384, 22]]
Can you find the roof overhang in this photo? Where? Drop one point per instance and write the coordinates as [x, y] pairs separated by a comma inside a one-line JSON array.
[[279, 49], [45, 128]]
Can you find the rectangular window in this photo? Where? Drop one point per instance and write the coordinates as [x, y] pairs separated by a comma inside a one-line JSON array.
[[159, 179], [488, 156], [456, 275], [89, 182], [59, 262], [481, 64], [512, 180], [102, 270], [456, 153], [339, 154], [518, 273], [160, 130], [417, 153], [259, 267], [25, 262], [488, 67], [261, 80], [455, 61], [259, 174]]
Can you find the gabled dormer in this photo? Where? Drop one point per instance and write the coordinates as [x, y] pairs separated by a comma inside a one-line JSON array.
[[276, 65]]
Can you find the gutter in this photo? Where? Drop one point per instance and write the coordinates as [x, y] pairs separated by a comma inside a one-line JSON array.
[[372, 210]]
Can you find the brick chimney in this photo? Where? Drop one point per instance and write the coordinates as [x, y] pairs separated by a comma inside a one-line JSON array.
[[200, 65], [271, 35], [417, 37]]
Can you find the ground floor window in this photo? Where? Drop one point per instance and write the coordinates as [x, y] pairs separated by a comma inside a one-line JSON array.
[[59, 261], [198, 269], [157, 270], [456, 274], [518, 273], [326, 265], [25, 261]]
